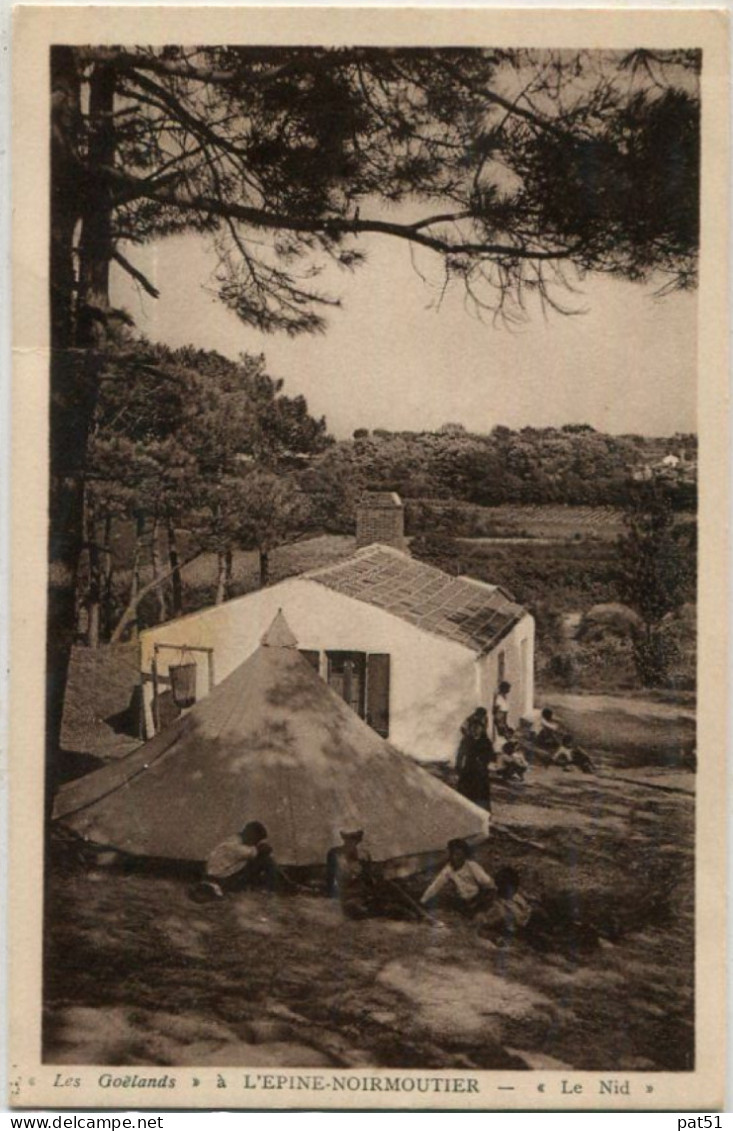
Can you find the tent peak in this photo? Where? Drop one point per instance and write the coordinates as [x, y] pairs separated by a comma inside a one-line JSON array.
[[279, 634]]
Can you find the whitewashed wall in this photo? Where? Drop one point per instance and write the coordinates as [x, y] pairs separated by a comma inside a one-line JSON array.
[[518, 649], [434, 683]]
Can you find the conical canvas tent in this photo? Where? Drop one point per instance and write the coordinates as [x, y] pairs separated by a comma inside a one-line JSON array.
[[274, 743]]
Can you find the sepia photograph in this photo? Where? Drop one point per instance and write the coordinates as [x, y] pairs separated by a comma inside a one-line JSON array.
[[371, 565]]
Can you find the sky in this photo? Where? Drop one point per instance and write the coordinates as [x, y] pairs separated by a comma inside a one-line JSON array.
[[390, 358]]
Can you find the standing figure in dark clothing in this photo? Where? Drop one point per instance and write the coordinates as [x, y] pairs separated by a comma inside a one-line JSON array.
[[478, 718], [475, 752]]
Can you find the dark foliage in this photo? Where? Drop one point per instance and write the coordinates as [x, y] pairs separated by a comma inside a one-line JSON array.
[[574, 465]]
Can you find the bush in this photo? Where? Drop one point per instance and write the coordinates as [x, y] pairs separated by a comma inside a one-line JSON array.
[[563, 669]]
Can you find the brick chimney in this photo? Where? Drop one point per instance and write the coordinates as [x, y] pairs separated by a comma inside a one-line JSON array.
[[380, 517]]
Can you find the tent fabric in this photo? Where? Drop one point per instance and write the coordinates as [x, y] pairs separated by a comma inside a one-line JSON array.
[[279, 634], [274, 743]]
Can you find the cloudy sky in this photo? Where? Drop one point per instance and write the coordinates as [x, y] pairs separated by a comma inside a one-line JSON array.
[[391, 358]]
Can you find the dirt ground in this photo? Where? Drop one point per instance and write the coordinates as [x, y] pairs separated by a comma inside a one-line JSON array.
[[137, 974]]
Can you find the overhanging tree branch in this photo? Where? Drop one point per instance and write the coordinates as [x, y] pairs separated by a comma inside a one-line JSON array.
[[134, 187], [124, 60]]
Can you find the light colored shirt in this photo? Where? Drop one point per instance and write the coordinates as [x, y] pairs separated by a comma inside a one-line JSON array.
[[536, 723], [515, 759], [229, 857], [468, 880], [501, 704]]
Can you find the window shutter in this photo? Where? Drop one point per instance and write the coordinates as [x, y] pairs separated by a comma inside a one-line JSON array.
[[377, 713]]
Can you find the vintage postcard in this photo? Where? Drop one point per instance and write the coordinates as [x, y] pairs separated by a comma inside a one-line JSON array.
[[370, 593]]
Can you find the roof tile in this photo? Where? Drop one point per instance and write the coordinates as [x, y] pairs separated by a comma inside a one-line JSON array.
[[452, 607]]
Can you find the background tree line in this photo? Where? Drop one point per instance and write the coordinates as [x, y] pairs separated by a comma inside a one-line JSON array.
[[573, 465]]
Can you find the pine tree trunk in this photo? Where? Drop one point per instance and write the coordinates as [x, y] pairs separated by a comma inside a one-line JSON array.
[[221, 577], [264, 568], [107, 577], [174, 560], [66, 499], [155, 559], [73, 375], [131, 611], [94, 597], [135, 579]]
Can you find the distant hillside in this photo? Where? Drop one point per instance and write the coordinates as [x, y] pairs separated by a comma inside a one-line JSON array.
[[573, 465]]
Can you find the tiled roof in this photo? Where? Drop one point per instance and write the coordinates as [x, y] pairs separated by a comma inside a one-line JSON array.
[[468, 612]]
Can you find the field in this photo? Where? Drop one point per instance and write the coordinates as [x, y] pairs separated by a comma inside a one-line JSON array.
[[137, 974], [550, 521]]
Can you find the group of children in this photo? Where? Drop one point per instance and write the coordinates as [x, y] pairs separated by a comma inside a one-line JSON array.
[[550, 746], [497, 906], [508, 752]]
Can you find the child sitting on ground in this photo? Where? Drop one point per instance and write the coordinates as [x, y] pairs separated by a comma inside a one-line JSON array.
[[244, 860], [569, 755], [471, 889], [563, 756], [510, 912], [510, 762]]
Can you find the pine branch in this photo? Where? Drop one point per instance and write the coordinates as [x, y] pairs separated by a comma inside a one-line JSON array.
[[136, 274], [335, 226]]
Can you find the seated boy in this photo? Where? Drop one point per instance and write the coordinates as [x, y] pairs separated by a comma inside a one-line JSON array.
[[509, 913], [511, 763], [563, 756], [547, 735], [471, 889], [241, 861], [356, 881]]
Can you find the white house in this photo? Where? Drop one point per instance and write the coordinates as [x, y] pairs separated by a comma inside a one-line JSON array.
[[412, 649]]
